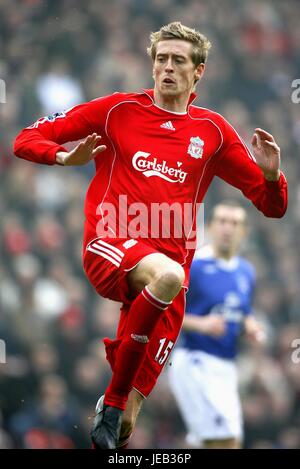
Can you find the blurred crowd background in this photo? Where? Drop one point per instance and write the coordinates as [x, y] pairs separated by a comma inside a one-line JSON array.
[[54, 54]]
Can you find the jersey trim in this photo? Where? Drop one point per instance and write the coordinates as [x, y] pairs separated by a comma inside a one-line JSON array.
[[192, 98]]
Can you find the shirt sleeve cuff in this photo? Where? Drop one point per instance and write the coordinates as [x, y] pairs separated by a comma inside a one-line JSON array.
[[51, 154], [275, 185]]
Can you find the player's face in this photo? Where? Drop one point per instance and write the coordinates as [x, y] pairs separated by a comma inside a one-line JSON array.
[[174, 72], [228, 229]]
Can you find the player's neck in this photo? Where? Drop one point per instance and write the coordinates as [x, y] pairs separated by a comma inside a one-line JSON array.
[[225, 255], [171, 103]]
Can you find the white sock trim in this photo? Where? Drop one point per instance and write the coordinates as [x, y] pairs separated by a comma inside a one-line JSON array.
[[155, 297], [153, 304]]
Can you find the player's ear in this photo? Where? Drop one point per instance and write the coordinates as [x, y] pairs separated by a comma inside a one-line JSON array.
[[199, 71]]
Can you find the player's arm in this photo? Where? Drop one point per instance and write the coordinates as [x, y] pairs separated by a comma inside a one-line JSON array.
[[253, 330], [43, 141], [212, 324], [259, 176]]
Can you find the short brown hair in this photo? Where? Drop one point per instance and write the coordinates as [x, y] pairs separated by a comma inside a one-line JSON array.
[[176, 30]]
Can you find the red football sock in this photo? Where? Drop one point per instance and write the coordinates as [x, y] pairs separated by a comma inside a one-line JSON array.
[[143, 316]]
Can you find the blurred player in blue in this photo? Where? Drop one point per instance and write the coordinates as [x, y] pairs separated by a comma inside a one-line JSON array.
[[203, 374]]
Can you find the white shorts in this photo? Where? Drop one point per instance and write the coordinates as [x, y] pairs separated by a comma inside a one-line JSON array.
[[206, 390]]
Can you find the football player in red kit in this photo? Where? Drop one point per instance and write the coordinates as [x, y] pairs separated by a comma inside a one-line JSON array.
[[155, 155]]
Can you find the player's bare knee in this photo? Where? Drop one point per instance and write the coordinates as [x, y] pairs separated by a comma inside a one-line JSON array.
[[169, 280], [173, 276]]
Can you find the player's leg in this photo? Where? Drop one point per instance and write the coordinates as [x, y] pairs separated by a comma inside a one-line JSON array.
[[208, 400], [133, 407], [159, 279], [187, 394], [162, 342], [226, 443], [216, 380], [225, 430]]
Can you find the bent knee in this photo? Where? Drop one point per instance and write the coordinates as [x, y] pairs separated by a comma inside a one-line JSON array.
[[164, 276], [168, 280], [172, 276]]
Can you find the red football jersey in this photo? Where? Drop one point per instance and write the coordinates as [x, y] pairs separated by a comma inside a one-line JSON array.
[[153, 157]]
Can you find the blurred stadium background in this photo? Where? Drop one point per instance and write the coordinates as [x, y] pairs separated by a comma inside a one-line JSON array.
[[55, 54]]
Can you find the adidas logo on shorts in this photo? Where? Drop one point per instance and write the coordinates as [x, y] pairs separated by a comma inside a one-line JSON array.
[[129, 243]]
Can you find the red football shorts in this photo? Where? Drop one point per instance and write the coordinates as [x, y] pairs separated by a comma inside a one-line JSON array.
[[106, 263]]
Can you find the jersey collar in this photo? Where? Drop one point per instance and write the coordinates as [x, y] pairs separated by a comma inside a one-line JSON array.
[[229, 265], [206, 252], [150, 94]]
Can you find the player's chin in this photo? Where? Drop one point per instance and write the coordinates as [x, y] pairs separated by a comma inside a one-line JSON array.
[[169, 91], [226, 247]]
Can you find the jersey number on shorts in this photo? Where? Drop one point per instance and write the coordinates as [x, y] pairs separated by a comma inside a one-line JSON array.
[[162, 358]]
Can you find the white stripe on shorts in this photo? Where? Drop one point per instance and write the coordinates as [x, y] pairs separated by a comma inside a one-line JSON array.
[[106, 256], [108, 251], [113, 248]]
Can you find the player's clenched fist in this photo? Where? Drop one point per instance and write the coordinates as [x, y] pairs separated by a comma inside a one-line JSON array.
[[84, 152]]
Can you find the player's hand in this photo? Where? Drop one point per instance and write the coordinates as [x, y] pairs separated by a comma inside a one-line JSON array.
[[84, 152], [267, 154], [254, 331], [213, 325]]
